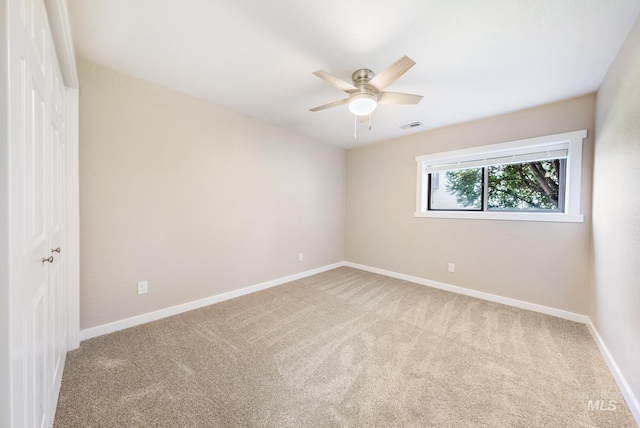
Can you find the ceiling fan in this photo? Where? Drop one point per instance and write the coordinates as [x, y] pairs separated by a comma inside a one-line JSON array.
[[367, 90]]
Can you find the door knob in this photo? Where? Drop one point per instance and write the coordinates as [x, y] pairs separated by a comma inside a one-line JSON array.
[[48, 259], [57, 250]]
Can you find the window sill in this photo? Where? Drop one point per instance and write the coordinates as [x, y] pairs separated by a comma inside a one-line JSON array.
[[552, 217]]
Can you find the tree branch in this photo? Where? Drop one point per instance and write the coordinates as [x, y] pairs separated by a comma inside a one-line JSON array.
[[516, 196], [539, 172]]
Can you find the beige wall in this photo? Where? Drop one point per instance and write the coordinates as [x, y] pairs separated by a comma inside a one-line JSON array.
[[616, 211], [196, 199], [538, 262]]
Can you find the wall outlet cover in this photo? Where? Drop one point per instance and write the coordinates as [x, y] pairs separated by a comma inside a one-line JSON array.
[[143, 287]]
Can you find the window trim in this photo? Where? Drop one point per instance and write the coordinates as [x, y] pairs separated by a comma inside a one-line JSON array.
[[572, 141]]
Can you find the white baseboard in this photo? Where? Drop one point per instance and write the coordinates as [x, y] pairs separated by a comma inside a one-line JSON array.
[[178, 309], [627, 392], [174, 310], [571, 316]]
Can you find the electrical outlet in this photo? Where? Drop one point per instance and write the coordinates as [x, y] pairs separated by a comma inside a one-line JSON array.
[[143, 287], [452, 267], [300, 257]]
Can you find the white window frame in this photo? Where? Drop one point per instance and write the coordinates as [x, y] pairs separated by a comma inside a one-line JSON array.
[[571, 141]]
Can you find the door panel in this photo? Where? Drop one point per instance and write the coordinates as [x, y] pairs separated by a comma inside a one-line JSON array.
[[57, 230], [35, 241], [36, 367], [34, 171]]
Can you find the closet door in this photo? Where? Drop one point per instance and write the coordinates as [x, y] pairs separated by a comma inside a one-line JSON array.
[[57, 229], [37, 217]]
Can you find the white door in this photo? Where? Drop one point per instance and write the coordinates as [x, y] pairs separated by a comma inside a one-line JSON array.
[[57, 229], [37, 217]]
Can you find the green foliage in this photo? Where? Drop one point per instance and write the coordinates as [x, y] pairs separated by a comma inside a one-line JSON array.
[[533, 185], [466, 185]]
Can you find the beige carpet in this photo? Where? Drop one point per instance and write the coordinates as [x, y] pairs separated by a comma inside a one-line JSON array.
[[345, 348]]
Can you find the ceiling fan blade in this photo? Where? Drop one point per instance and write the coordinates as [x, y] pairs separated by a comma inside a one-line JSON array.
[[392, 73], [398, 98], [333, 104], [335, 82]]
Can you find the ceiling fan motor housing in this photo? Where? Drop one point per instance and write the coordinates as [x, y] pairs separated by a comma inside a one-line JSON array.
[[361, 79]]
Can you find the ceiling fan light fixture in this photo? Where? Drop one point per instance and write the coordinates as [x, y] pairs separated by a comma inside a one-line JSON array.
[[363, 104]]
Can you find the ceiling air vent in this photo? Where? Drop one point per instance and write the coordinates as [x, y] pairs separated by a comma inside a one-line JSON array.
[[411, 125]]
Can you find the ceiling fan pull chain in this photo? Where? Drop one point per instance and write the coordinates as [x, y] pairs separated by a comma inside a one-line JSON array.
[[369, 122], [355, 127]]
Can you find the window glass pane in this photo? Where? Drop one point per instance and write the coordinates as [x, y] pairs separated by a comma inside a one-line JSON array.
[[525, 186], [456, 190]]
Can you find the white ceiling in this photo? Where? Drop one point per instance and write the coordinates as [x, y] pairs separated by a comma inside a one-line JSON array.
[[475, 58]]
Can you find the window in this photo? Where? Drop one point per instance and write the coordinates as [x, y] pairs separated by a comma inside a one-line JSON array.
[[537, 179]]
